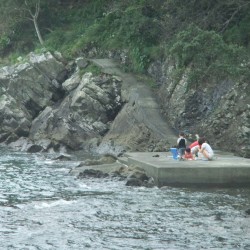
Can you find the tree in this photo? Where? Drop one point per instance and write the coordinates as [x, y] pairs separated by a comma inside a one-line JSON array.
[[13, 13], [33, 9]]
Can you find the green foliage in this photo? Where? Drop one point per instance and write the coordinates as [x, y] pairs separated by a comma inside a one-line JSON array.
[[4, 42], [139, 60], [240, 32], [204, 35], [147, 80], [133, 27], [13, 58], [124, 28], [95, 70], [207, 56]]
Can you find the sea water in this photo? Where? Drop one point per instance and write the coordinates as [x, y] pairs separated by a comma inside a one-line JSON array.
[[43, 207]]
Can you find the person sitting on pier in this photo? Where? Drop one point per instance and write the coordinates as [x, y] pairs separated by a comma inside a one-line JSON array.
[[188, 155], [205, 149], [195, 143]]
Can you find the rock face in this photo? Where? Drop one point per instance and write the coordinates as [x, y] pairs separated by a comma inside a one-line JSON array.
[[46, 105], [219, 111], [26, 90], [139, 126], [43, 109], [84, 114]]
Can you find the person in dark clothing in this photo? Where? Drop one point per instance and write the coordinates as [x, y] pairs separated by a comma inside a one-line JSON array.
[[181, 144]]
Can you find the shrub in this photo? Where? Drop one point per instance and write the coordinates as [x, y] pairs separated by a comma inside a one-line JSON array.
[[207, 56], [4, 42], [95, 70]]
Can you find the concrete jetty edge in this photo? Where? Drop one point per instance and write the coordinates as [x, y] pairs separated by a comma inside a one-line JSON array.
[[226, 170]]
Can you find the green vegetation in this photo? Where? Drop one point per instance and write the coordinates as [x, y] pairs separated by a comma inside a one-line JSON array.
[[208, 55], [91, 68], [146, 80], [211, 38]]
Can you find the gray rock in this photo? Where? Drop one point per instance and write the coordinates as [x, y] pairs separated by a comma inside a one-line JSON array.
[[34, 148], [62, 158], [82, 115], [216, 108], [81, 63], [114, 114], [247, 211], [72, 82], [92, 173], [27, 89], [134, 182]]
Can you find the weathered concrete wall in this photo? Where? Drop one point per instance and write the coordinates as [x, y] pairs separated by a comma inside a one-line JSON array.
[[225, 171]]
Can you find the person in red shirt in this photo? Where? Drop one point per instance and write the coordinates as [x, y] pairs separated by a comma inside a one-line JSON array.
[[188, 155], [195, 143]]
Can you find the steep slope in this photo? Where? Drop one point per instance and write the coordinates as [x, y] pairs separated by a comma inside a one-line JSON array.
[[140, 125]]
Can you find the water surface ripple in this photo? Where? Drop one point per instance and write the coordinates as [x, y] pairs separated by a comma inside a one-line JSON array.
[[43, 207]]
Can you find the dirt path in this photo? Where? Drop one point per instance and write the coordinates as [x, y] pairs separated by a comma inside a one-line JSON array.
[[141, 96]]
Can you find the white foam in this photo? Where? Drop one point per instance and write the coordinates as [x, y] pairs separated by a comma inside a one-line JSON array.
[[48, 204]]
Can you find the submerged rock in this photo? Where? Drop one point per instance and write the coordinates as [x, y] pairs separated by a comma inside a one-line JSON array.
[[63, 158], [134, 182], [247, 211], [92, 173]]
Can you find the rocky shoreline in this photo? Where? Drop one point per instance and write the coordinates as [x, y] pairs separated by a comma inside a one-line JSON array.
[[109, 166], [50, 105], [47, 106]]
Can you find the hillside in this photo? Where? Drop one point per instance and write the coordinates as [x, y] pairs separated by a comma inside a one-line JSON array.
[[147, 29], [196, 53]]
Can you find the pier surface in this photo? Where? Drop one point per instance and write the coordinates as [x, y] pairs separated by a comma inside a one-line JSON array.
[[226, 170]]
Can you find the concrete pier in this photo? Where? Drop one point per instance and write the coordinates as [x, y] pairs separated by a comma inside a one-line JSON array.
[[225, 170]]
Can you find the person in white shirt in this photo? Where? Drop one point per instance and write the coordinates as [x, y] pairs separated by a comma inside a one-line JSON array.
[[205, 149]]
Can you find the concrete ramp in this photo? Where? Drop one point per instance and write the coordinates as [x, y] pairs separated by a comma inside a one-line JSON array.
[[225, 171], [142, 106]]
